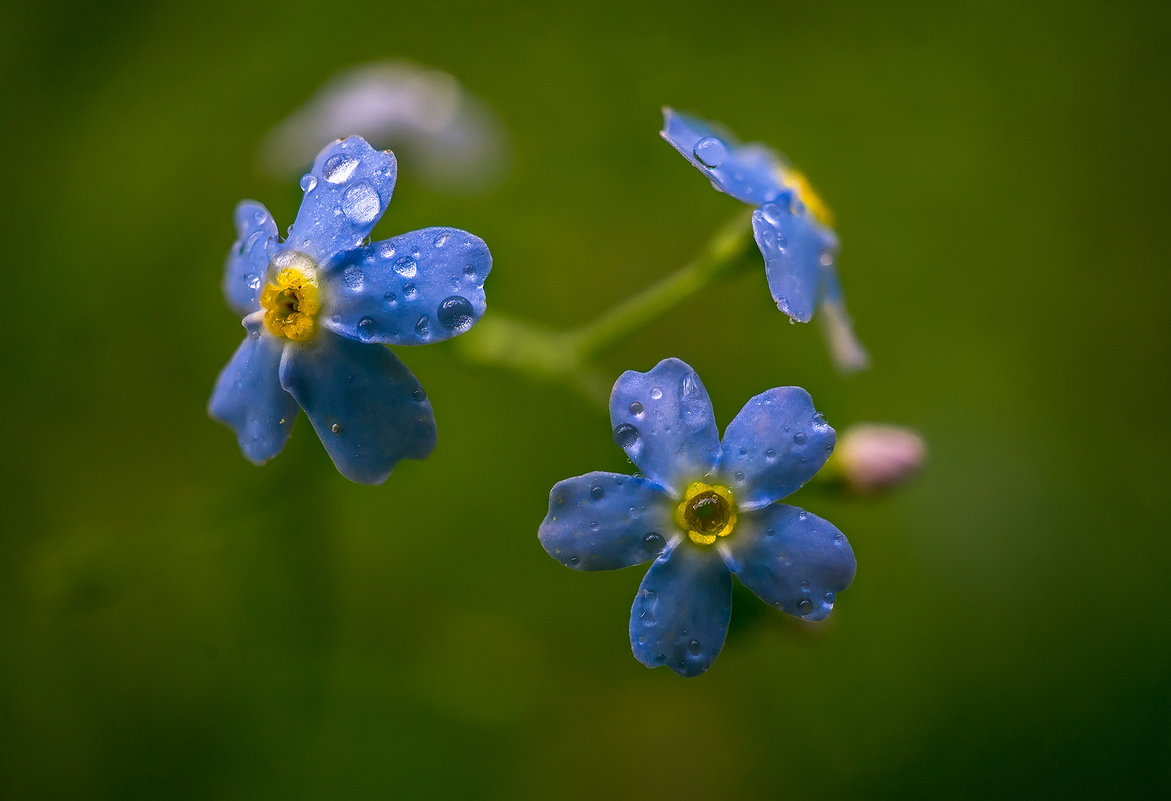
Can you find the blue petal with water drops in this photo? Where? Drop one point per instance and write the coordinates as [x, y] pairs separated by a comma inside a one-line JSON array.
[[345, 195], [249, 398], [604, 521], [795, 248], [837, 327], [680, 615], [792, 560], [247, 261], [746, 172], [368, 409], [420, 287], [663, 419], [774, 445]]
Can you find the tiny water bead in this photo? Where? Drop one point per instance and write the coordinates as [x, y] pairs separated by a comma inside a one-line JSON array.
[[367, 328], [636, 408], [710, 152], [406, 267], [308, 182]]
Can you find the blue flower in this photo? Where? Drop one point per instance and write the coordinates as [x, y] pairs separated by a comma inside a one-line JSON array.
[[703, 510], [791, 225], [319, 306]]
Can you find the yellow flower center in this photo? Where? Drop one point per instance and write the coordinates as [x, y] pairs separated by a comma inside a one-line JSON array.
[[706, 512], [291, 304], [794, 180]]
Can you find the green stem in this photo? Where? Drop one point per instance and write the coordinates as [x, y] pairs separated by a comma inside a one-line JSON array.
[[567, 356]]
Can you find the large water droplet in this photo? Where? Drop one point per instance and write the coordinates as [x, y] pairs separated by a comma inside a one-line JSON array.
[[361, 204], [308, 181], [367, 328], [406, 267], [338, 168], [456, 313], [710, 151], [626, 435]]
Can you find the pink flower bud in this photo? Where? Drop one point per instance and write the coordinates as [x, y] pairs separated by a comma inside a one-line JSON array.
[[873, 457]]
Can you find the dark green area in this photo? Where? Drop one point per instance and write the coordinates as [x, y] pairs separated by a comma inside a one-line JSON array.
[[176, 623]]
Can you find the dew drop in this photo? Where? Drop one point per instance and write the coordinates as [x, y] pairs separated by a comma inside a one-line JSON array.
[[441, 240], [253, 280], [710, 151], [409, 291], [406, 267], [469, 271], [361, 204], [771, 213], [770, 454], [419, 395], [456, 313], [339, 168], [597, 493], [805, 606], [423, 326], [694, 648], [739, 475], [573, 560], [626, 435], [594, 525], [799, 438], [353, 278], [367, 328], [335, 428], [308, 181], [656, 393], [653, 542], [390, 298], [635, 407]]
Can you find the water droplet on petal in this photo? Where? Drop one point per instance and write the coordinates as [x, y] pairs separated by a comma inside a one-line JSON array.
[[353, 278], [594, 525], [804, 606], [597, 493], [367, 328], [253, 280], [335, 428], [771, 213], [799, 438], [406, 267], [694, 648], [361, 204], [390, 298], [338, 168], [710, 152], [573, 560], [409, 291], [423, 326], [770, 454], [456, 313], [441, 240], [626, 435], [653, 542], [656, 393], [636, 408], [308, 181], [419, 395]]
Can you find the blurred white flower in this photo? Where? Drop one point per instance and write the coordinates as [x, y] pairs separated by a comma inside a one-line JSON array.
[[872, 456], [443, 136]]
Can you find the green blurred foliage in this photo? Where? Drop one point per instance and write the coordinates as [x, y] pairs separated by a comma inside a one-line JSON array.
[[176, 623]]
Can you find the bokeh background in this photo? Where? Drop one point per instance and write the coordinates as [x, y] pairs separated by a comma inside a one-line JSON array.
[[176, 623]]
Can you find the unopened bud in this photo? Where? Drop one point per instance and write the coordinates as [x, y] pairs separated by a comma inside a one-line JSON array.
[[871, 457]]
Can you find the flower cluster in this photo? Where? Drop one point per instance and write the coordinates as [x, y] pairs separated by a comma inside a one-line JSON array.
[[703, 509], [319, 306]]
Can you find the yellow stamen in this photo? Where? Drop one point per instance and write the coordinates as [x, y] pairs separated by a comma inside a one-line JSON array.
[[804, 190], [291, 305], [706, 512]]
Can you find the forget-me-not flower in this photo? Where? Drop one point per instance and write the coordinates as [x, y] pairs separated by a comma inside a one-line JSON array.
[[791, 225], [319, 307], [703, 510]]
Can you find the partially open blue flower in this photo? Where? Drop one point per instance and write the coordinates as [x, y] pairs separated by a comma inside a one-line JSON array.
[[319, 306], [791, 225], [703, 510]]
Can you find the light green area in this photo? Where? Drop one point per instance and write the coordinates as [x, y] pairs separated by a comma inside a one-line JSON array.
[[176, 623]]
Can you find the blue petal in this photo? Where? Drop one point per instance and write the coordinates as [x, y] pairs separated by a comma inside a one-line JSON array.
[[746, 172], [795, 247], [425, 286], [775, 444], [248, 259], [663, 420], [345, 195], [248, 396], [365, 405], [837, 327], [680, 615], [604, 521], [792, 559]]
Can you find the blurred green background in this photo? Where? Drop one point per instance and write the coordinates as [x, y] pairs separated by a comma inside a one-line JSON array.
[[176, 623]]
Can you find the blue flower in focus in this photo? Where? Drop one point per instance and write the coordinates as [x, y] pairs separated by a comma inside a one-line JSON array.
[[703, 510], [791, 225], [319, 306]]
